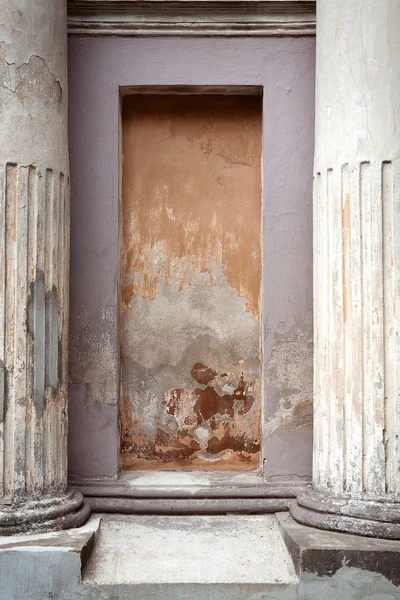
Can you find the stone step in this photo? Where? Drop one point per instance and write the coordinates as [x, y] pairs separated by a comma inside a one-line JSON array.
[[196, 557], [231, 557], [46, 565]]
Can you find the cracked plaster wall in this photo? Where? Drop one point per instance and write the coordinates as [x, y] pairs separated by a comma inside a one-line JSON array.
[[285, 69], [32, 69]]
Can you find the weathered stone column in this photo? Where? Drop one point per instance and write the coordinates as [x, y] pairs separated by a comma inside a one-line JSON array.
[[356, 481], [34, 260]]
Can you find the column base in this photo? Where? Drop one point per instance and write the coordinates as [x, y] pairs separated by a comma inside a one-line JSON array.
[[371, 518], [48, 514]]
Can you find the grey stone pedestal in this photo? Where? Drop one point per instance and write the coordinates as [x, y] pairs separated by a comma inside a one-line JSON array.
[[324, 553]]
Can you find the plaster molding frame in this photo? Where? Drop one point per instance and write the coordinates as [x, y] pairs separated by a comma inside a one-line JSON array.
[[213, 493], [191, 17]]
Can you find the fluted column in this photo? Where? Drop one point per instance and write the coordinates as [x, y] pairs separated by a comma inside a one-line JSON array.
[[356, 477], [34, 261]]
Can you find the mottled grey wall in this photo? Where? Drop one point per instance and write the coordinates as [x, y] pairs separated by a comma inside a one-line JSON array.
[[285, 69]]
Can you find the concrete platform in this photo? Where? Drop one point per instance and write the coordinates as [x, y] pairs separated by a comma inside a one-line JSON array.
[[232, 557], [190, 550]]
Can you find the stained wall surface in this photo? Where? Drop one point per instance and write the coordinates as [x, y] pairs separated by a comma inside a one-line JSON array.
[[190, 281], [284, 67]]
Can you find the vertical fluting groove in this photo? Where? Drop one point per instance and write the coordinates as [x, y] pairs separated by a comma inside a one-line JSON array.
[[336, 331], [318, 371], [366, 346], [346, 278], [54, 327], [61, 292], [9, 300], [366, 314], [389, 299], [363, 213], [20, 338], [396, 243], [355, 391], [48, 251], [31, 417], [2, 318], [329, 311], [64, 244], [321, 364], [374, 458], [30, 267], [324, 242], [40, 333], [66, 262], [378, 484]]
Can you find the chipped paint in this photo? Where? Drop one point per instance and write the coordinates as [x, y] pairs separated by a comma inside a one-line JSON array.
[[190, 283], [191, 193], [35, 82], [92, 363], [289, 383]]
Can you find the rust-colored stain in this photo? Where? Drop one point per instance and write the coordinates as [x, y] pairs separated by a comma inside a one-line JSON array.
[[11, 209], [346, 257], [214, 429], [12, 197], [190, 282], [203, 374], [29, 407]]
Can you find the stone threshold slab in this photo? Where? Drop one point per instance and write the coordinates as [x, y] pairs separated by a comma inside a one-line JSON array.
[[190, 550], [185, 485], [187, 493]]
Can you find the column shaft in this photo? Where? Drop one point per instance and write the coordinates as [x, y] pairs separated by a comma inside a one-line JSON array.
[[356, 478], [34, 269]]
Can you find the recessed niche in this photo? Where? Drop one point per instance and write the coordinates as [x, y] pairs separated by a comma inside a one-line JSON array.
[[190, 276]]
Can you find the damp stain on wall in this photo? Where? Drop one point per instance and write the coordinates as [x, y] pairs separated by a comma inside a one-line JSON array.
[[216, 422], [190, 282]]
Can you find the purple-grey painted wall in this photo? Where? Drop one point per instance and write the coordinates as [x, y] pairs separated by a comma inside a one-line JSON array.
[[285, 68]]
